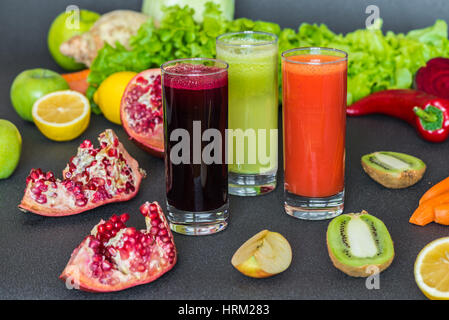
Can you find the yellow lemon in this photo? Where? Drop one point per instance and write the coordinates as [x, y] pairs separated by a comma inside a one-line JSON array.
[[109, 94], [62, 115], [432, 269]]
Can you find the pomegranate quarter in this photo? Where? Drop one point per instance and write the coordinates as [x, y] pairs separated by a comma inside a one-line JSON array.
[[141, 111], [94, 177], [264, 255], [115, 257]]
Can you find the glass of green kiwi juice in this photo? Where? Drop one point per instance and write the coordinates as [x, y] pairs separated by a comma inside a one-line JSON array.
[[253, 110]]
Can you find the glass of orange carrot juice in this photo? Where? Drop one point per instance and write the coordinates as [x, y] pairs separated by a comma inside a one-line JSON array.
[[314, 123]]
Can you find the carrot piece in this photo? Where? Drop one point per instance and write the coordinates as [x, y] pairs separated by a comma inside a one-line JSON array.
[[442, 214], [77, 80], [439, 188], [422, 216]]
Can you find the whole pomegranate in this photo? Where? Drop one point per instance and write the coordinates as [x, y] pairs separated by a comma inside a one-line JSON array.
[[94, 177], [114, 257], [141, 111]]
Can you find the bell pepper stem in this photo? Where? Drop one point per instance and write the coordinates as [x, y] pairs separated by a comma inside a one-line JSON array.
[[424, 115]]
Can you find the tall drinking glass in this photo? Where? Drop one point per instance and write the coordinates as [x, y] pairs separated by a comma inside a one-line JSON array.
[[195, 98], [253, 110], [314, 117]]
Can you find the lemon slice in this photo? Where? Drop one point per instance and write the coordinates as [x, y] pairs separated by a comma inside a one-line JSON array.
[[62, 115], [432, 269]]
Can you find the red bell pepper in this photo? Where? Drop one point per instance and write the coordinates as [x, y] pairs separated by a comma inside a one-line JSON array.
[[427, 113]]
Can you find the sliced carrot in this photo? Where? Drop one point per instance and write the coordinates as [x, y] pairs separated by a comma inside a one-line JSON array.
[[424, 214], [442, 214], [77, 80], [439, 188]]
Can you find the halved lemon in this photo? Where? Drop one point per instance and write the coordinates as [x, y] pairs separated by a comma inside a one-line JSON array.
[[432, 269], [62, 115]]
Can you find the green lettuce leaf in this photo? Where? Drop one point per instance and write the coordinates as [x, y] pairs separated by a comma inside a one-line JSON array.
[[376, 60]]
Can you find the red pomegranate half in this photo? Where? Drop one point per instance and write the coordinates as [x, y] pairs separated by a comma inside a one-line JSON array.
[[92, 178], [115, 257], [141, 111]]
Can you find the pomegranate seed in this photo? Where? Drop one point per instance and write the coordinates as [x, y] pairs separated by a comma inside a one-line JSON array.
[[141, 268], [97, 258], [118, 225], [144, 209], [155, 222], [153, 215], [101, 228], [34, 175], [93, 244], [114, 218], [124, 217], [154, 231], [112, 251], [41, 199], [81, 202], [86, 144], [131, 231], [106, 266], [109, 226], [35, 191], [94, 266], [112, 153], [162, 232], [153, 208]]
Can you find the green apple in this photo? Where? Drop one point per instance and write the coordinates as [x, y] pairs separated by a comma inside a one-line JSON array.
[[63, 28], [10, 148], [32, 84]]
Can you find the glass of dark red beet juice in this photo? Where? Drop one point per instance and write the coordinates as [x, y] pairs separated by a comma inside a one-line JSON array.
[[195, 97]]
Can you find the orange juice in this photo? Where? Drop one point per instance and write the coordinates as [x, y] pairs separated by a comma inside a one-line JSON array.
[[314, 117]]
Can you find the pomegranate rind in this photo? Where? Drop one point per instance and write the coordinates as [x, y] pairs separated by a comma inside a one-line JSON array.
[[153, 144], [61, 207], [77, 274]]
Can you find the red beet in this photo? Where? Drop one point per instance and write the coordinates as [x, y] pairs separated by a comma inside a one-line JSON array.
[[434, 78]]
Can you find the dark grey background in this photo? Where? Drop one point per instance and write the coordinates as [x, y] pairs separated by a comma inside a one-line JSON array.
[[34, 249]]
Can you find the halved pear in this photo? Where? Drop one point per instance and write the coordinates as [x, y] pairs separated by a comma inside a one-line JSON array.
[[263, 255]]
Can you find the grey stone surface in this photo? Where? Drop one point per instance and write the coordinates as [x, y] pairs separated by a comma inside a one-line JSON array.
[[34, 249]]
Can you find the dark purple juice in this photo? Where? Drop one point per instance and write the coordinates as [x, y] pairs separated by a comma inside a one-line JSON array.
[[195, 186]]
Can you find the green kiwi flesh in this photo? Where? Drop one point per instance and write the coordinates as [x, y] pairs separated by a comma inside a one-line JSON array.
[[393, 169], [359, 244]]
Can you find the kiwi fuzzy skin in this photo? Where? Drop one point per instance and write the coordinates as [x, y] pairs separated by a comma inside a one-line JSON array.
[[401, 181], [360, 271]]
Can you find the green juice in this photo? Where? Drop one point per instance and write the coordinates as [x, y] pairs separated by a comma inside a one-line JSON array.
[[253, 105]]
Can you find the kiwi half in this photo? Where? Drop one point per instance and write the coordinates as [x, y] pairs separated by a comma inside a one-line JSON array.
[[393, 169], [357, 242]]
